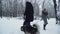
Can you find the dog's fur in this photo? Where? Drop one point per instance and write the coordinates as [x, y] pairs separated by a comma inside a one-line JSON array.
[[33, 31]]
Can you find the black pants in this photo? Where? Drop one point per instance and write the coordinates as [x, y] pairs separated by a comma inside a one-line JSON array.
[[28, 26], [26, 22], [45, 23]]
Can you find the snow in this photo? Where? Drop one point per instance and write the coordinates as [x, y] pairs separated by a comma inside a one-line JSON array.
[[10, 25]]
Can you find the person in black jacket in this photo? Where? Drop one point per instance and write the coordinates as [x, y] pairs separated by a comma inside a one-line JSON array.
[[28, 14]]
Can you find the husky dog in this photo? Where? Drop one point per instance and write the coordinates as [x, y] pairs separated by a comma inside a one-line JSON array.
[[33, 30]]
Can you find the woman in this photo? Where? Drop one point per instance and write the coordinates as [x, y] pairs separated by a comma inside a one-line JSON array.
[[44, 17]]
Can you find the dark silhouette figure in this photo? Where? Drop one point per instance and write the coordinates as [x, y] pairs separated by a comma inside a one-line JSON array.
[[44, 17], [28, 15]]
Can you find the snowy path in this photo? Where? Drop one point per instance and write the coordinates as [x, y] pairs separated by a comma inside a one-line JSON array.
[[12, 26]]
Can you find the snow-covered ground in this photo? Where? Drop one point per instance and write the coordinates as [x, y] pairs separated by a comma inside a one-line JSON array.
[[12, 26]]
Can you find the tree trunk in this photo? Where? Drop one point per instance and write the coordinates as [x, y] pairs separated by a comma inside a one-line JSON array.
[[55, 5], [43, 4], [1, 8]]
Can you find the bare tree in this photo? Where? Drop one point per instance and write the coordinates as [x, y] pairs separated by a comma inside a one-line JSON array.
[[15, 8], [1, 8], [55, 6], [43, 4]]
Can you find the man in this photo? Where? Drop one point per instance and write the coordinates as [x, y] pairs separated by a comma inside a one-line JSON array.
[[29, 13], [44, 17], [28, 16]]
